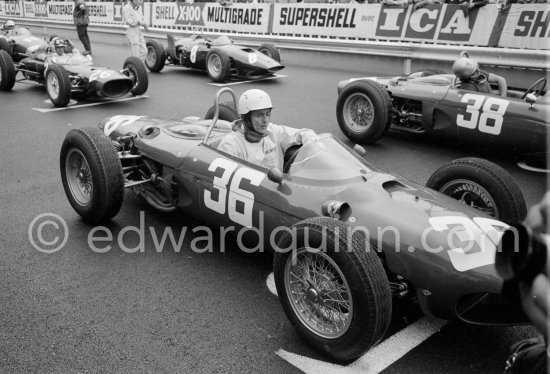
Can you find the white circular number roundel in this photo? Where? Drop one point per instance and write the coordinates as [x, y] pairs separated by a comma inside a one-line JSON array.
[[252, 58], [237, 195], [193, 56]]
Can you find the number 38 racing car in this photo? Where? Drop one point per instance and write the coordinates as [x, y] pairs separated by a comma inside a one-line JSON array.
[[219, 57], [72, 74], [349, 239], [435, 104]]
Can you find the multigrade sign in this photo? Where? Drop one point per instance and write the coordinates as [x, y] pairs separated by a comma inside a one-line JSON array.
[[237, 17]]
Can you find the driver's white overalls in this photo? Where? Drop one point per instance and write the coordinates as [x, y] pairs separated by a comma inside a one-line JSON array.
[[133, 17], [269, 151]]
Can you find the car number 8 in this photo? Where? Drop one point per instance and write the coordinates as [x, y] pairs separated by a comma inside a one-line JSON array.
[[493, 109], [236, 193]]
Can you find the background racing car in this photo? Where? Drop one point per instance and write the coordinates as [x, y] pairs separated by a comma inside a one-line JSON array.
[[76, 75], [338, 298], [435, 104], [219, 57], [18, 41]]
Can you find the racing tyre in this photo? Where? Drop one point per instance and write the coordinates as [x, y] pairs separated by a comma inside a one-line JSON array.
[[7, 71], [58, 85], [91, 173], [270, 50], [135, 69], [156, 57], [217, 65], [364, 111], [4, 45], [481, 184], [332, 287], [227, 112]]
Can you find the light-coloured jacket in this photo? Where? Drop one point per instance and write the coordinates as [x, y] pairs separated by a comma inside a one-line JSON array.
[[269, 151], [132, 16]]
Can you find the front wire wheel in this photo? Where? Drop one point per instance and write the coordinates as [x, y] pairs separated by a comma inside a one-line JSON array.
[[319, 293], [333, 287], [472, 194], [358, 112], [79, 177]]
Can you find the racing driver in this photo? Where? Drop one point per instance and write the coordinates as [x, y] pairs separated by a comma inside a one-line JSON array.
[[260, 141], [473, 79]]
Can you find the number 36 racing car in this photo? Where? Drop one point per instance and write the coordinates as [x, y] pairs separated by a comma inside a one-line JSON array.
[[219, 57], [73, 74], [435, 104], [348, 238]]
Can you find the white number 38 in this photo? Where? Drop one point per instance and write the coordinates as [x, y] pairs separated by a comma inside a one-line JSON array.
[[489, 119]]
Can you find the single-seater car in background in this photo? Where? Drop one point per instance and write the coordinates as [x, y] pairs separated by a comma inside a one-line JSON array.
[[18, 41], [349, 239], [427, 103], [73, 74], [220, 57]]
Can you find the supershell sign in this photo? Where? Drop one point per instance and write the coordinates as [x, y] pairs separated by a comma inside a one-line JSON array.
[[437, 23], [14, 9]]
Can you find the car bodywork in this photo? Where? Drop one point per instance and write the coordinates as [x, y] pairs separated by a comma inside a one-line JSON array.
[[434, 249], [435, 104], [220, 57], [74, 74], [19, 42]]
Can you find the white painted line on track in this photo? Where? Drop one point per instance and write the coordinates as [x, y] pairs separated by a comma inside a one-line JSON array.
[[378, 358], [47, 110], [275, 76], [374, 361]]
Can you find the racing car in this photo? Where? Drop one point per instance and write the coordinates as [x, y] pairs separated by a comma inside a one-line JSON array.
[[349, 239], [73, 74], [428, 103], [18, 41], [220, 57]]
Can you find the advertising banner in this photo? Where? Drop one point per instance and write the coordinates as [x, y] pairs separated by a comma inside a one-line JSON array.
[[40, 8], [237, 17], [527, 26], [353, 20], [14, 9], [29, 9], [433, 23], [100, 12], [60, 10], [2, 8]]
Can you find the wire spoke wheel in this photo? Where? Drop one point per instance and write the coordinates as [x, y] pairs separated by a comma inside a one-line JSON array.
[[358, 112], [319, 293], [53, 85], [215, 64], [79, 177], [472, 194]]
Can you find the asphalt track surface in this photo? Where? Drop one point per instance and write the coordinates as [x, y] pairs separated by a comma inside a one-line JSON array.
[[77, 311]]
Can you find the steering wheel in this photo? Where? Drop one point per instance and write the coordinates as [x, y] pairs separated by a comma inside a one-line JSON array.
[[541, 82], [290, 156]]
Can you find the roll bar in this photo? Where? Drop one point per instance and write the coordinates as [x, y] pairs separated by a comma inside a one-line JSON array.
[[217, 110]]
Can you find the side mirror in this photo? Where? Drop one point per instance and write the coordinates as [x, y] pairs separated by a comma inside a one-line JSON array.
[[275, 175], [360, 150], [531, 98]]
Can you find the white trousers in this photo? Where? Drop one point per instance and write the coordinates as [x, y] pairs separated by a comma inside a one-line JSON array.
[[137, 42]]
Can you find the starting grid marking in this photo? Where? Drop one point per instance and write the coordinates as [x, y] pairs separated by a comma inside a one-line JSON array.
[[47, 110], [375, 360], [275, 76]]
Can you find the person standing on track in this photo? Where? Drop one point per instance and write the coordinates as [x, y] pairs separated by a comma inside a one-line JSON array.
[[81, 20], [133, 16]]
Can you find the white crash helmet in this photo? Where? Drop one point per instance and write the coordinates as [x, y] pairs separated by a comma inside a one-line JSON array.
[[465, 67], [9, 24], [254, 100]]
